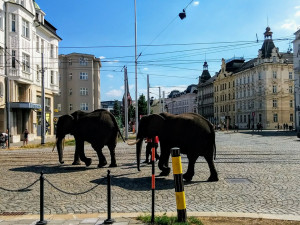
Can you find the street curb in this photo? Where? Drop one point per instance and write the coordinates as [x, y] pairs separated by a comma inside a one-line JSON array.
[[72, 216]]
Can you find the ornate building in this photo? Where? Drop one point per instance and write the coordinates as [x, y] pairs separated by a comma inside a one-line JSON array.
[[206, 94]]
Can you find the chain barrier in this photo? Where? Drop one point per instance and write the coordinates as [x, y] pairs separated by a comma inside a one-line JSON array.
[[70, 193], [21, 189]]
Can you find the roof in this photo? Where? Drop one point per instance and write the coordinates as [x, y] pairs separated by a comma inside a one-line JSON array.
[[208, 82], [247, 65], [267, 48], [205, 76], [36, 6]]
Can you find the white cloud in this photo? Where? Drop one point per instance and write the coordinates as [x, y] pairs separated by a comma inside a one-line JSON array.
[[297, 7], [102, 57], [110, 76], [112, 62], [146, 69], [196, 3], [115, 93], [297, 14], [289, 25]]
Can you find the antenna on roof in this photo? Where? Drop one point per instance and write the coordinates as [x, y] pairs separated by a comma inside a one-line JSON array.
[[289, 48], [256, 38]]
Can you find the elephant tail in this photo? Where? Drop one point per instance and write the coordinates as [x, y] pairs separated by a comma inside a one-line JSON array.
[[121, 135]]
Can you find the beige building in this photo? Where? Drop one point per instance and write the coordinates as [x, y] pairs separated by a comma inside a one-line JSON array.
[[224, 93], [79, 86], [296, 60], [26, 34]]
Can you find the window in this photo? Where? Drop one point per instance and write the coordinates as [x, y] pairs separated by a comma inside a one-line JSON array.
[[290, 89], [291, 117], [70, 76], [245, 118], [274, 89], [259, 76], [13, 22], [1, 56], [42, 45], [52, 77], [290, 75], [59, 107], [22, 3], [70, 91], [259, 118], [70, 61], [83, 91], [275, 118], [274, 75], [291, 103], [13, 59], [275, 103], [51, 51], [37, 43], [1, 21], [83, 61], [274, 58], [83, 76], [37, 72], [71, 107], [25, 28], [84, 106], [26, 62]]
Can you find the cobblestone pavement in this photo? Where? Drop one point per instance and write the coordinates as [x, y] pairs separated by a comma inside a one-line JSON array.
[[259, 173]]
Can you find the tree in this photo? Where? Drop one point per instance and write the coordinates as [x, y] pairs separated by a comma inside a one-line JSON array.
[[142, 105], [117, 113]]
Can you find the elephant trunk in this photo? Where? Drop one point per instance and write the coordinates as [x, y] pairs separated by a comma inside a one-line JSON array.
[[139, 146], [59, 146]]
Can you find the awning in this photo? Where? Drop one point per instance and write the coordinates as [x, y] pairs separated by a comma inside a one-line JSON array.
[[25, 105]]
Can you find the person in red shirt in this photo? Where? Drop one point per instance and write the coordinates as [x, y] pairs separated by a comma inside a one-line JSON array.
[[149, 149]]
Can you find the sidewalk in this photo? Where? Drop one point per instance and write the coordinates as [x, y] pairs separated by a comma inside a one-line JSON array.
[[70, 219]]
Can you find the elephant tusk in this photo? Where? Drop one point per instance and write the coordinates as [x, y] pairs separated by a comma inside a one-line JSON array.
[[54, 145], [133, 143]]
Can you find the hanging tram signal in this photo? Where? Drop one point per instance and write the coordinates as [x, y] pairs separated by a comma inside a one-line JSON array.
[[182, 15]]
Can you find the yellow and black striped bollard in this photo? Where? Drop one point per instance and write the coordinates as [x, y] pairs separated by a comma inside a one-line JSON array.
[[179, 187]]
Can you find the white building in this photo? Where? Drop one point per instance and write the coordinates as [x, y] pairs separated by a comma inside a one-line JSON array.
[[24, 36], [182, 102], [296, 59]]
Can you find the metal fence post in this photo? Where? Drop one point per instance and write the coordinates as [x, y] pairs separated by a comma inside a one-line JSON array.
[[42, 221], [109, 220], [179, 187]]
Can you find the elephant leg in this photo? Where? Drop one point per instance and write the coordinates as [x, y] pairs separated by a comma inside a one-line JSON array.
[[113, 162], [76, 158], [213, 172], [188, 176], [163, 164], [101, 157], [80, 150]]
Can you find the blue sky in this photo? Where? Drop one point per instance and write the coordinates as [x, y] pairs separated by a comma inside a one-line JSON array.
[[172, 50]]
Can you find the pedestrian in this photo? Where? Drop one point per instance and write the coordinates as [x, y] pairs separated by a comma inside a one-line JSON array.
[[149, 149], [25, 140], [5, 137]]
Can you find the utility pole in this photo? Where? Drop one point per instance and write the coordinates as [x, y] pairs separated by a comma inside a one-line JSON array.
[[148, 97], [159, 100], [136, 95], [163, 106], [43, 122], [7, 82], [126, 102]]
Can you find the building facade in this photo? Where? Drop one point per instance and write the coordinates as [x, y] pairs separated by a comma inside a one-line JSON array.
[[206, 94], [260, 90], [182, 102], [25, 36], [79, 86], [296, 60]]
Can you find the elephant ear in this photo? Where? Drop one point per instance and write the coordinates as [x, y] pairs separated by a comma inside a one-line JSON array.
[[155, 125], [65, 125]]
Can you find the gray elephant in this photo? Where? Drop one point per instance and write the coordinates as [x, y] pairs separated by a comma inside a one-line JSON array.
[[190, 132], [99, 128]]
